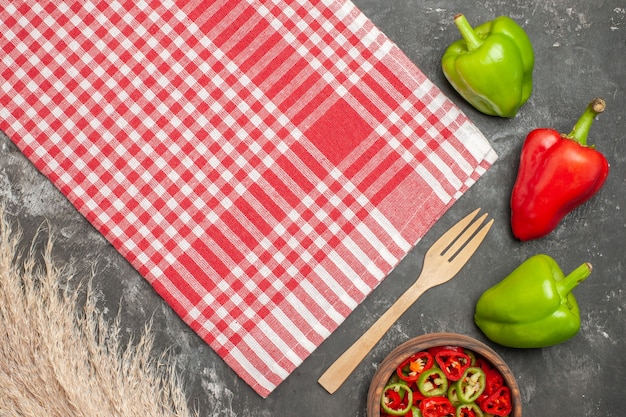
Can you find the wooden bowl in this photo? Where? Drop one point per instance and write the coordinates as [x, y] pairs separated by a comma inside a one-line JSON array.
[[398, 355]]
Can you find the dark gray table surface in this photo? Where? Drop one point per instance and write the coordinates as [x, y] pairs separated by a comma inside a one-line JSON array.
[[580, 49]]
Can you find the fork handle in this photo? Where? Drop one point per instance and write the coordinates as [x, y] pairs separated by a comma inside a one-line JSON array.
[[341, 369]]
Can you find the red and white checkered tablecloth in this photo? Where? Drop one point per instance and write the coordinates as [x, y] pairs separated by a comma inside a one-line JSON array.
[[264, 164]]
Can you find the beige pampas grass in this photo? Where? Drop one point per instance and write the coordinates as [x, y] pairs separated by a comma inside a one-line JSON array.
[[60, 360]]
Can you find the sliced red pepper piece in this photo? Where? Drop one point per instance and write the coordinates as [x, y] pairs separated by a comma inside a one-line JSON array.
[[434, 350], [410, 369], [481, 400], [483, 364], [453, 363], [436, 407], [417, 395], [493, 381], [498, 403]]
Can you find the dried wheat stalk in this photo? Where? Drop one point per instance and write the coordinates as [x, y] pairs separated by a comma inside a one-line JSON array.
[[55, 362]]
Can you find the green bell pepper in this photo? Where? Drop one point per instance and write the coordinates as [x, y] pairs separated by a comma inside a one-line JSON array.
[[491, 66], [532, 307]]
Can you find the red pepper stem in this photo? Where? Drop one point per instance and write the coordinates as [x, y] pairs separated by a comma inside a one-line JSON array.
[[578, 275], [467, 32], [581, 129]]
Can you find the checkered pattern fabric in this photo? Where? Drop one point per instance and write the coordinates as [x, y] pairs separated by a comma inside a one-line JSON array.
[[264, 164]]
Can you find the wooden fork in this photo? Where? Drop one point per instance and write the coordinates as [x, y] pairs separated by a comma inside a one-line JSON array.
[[443, 260]]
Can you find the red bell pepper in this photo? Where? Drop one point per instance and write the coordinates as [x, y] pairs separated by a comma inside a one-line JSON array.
[[557, 173]]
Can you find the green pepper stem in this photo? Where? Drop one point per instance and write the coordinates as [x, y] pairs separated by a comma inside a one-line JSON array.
[[578, 275], [467, 32], [581, 129]]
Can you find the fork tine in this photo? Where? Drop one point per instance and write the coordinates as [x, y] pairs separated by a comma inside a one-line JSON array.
[[463, 238], [466, 252], [444, 241]]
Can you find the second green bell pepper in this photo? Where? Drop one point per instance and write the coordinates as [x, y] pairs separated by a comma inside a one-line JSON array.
[[491, 66], [532, 307]]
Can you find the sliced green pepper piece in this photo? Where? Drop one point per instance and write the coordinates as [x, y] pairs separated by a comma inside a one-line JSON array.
[[416, 412], [471, 385], [469, 410], [432, 383], [397, 399], [453, 396], [471, 355]]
